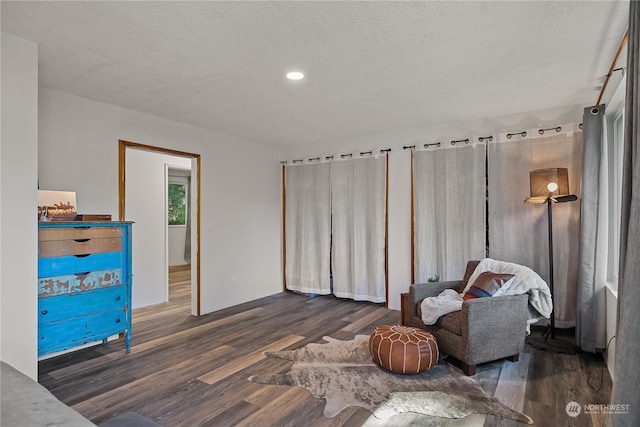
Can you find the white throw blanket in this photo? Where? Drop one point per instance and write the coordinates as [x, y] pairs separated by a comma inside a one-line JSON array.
[[525, 281], [432, 308]]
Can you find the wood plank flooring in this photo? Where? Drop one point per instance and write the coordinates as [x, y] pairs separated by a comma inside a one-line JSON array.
[[193, 371]]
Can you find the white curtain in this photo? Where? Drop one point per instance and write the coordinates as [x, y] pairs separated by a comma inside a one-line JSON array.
[[308, 228], [449, 210], [518, 232], [358, 209], [187, 239]]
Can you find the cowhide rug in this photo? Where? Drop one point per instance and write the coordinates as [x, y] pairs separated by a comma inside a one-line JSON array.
[[343, 373]]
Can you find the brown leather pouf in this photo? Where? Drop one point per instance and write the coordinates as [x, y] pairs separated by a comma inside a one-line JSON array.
[[403, 349]]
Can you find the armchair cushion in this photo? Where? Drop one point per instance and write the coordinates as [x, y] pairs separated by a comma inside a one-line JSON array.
[[487, 284], [433, 308], [451, 322]]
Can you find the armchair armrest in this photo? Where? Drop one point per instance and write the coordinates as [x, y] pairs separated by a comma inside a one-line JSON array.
[[420, 291], [503, 309], [495, 326]]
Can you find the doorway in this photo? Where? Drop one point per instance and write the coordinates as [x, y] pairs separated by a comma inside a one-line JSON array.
[[179, 224], [151, 284]]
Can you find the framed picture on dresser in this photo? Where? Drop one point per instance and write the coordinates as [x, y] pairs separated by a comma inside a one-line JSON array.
[[57, 205]]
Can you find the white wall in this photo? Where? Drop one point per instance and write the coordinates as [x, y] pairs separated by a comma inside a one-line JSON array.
[[400, 171], [177, 233], [18, 204], [146, 206], [240, 191], [177, 238]]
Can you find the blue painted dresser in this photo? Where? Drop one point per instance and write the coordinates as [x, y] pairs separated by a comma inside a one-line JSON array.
[[84, 283]]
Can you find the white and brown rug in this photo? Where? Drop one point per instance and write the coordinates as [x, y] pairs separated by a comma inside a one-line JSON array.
[[343, 373]]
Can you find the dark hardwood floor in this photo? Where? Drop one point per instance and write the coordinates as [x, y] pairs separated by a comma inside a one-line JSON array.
[[193, 371]]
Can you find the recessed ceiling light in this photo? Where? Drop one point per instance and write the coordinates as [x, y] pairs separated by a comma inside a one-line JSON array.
[[295, 75]]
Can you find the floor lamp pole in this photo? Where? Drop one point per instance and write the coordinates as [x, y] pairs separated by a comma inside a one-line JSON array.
[[552, 329], [550, 185]]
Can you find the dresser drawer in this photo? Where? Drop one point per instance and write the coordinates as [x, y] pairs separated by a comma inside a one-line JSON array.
[[59, 285], [60, 335], [79, 232], [58, 266], [82, 304], [56, 248]]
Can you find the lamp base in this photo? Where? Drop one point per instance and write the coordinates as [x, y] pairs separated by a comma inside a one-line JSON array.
[[550, 331], [560, 341]]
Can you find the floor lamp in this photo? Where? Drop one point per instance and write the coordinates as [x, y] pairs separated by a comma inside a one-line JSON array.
[[550, 186]]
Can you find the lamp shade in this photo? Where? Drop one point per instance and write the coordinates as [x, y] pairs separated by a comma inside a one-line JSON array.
[[550, 182]]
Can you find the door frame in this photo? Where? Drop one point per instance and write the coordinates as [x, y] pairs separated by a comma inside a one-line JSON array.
[[122, 147]]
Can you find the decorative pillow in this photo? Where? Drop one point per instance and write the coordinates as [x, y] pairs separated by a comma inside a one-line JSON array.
[[487, 284], [522, 273]]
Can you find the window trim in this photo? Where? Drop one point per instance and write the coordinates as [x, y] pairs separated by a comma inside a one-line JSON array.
[[615, 116]]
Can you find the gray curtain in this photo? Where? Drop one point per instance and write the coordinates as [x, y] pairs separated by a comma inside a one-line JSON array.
[[626, 382], [187, 239], [590, 334]]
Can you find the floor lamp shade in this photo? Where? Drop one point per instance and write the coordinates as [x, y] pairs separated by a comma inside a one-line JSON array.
[[550, 182]]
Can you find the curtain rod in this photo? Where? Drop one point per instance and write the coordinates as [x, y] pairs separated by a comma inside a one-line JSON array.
[[613, 65], [540, 131], [522, 134], [342, 156], [453, 142]]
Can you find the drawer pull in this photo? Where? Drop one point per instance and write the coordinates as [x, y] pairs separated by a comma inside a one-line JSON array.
[[118, 320], [82, 256], [81, 274], [44, 312], [81, 240], [83, 227], [118, 298]]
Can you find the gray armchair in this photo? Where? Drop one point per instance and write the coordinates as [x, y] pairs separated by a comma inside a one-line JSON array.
[[485, 329]]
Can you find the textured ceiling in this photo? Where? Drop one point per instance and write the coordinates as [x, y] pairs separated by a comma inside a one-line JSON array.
[[371, 67]]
